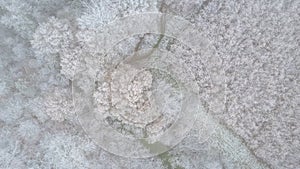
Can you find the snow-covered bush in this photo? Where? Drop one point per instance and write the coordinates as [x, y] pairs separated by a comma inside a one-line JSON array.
[[52, 37], [66, 151], [29, 130], [58, 104], [18, 17], [54, 41], [12, 109], [99, 13], [70, 61], [10, 150]]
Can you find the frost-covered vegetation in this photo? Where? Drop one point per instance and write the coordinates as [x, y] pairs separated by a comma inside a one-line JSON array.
[[248, 83]]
